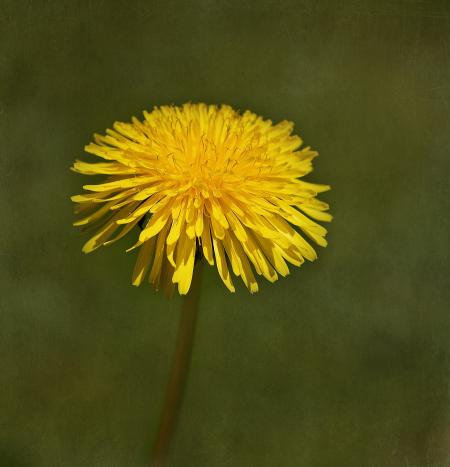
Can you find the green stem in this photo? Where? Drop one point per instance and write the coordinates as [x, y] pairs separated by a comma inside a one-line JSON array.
[[179, 371]]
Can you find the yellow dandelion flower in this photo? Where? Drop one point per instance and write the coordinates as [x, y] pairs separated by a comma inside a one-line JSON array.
[[202, 179]]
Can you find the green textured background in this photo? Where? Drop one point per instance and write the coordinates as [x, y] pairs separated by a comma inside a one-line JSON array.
[[346, 362]]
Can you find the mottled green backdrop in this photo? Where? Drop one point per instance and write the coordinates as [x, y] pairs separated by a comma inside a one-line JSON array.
[[346, 362]]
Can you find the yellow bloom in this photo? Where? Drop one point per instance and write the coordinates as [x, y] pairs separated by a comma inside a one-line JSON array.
[[204, 179]]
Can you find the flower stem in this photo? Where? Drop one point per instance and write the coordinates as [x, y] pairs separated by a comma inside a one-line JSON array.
[[179, 371]]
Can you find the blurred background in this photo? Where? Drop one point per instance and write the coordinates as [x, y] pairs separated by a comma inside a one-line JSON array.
[[345, 363]]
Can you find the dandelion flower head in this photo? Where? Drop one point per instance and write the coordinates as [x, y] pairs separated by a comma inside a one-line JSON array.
[[204, 180]]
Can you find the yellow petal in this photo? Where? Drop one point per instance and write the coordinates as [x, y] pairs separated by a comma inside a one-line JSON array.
[[177, 223], [318, 215], [95, 215], [89, 197], [184, 263], [199, 222], [238, 229], [259, 260], [222, 264], [106, 168], [100, 237], [273, 254], [156, 223], [123, 232], [218, 230], [159, 255], [120, 184], [206, 242], [143, 261], [143, 209]]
